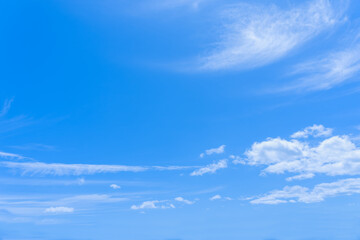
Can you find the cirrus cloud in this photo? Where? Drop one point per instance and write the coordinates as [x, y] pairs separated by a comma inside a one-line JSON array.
[[211, 168], [258, 35], [293, 194]]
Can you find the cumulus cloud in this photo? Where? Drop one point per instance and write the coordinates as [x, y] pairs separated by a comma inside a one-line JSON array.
[[333, 156], [181, 199], [211, 151], [328, 71], [59, 210], [211, 168], [153, 205], [216, 197], [315, 130], [257, 35], [319, 193], [115, 186], [237, 159]]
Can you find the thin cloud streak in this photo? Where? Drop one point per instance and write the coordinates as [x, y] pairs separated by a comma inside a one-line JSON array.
[[10, 155], [211, 168], [60, 169], [319, 193], [6, 107], [326, 72]]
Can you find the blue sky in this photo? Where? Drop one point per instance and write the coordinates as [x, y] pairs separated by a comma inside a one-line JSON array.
[[179, 120]]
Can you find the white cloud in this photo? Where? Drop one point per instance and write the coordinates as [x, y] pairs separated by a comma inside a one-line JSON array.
[[211, 151], [216, 197], [80, 181], [305, 195], [153, 205], [333, 156], [10, 155], [258, 35], [315, 130], [59, 210], [36, 201], [34, 146], [171, 168], [61, 169], [6, 107], [328, 71], [28, 205], [90, 198], [181, 199], [237, 159], [174, 4], [211, 168], [69, 169], [301, 177], [115, 186]]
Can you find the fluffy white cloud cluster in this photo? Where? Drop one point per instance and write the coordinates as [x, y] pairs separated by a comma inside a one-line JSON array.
[[153, 205], [333, 156], [59, 210], [183, 200], [317, 194], [315, 131], [211, 151], [115, 186]]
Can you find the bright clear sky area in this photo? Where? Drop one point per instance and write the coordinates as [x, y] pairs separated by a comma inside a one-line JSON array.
[[179, 120]]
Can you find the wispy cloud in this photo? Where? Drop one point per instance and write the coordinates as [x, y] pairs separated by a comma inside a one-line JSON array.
[[215, 197], [90, 198], [172, 4], [10, 155], [14, 123], [60, 169], [41, 205], [34, 146], [6, 107], [257, 35], [302, 194], [69, 169], [211, 168], [328, 71], [333, 156], [211, 151]]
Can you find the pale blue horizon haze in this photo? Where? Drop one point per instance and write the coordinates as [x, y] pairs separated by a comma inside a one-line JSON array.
[[180, 120]]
